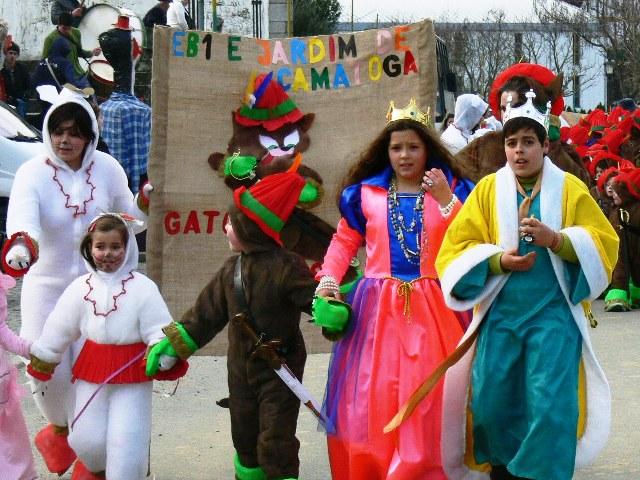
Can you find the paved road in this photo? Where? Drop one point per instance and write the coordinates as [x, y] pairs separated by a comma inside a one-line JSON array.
[[191, 439]]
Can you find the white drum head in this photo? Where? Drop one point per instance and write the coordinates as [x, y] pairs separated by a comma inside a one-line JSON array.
[[101, 71], [98, 18], [101, 17]]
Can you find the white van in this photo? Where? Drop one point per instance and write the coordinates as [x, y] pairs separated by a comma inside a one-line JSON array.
[[19, 141]]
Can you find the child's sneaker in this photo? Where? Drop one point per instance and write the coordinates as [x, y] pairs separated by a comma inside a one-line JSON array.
[[616, 301]]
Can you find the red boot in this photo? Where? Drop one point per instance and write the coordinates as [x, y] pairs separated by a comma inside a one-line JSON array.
[[52, 444], [80, 472]]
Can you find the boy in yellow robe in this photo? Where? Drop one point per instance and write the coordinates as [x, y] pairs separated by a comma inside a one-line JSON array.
[[528, 251]]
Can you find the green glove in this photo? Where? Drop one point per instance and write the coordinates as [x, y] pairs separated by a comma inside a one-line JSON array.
[[331, 314], [163, 347]]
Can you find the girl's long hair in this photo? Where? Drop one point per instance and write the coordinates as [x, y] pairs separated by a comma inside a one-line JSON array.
[[375, 157]]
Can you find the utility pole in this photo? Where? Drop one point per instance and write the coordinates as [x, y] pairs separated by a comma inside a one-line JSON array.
[[352, 15]]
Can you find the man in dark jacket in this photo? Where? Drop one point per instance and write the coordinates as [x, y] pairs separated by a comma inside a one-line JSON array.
[[74, 37], [157, 15], [16, 78], [73, 7], [277, 286]]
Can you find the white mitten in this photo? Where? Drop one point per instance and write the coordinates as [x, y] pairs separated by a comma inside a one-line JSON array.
[[18, 257], [167, 362]]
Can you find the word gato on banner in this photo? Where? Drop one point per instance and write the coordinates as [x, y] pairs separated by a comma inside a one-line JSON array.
[[193, 222], [392, 57]]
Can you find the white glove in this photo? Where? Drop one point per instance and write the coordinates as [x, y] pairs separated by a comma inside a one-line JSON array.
[[166, 362], [18, 257]]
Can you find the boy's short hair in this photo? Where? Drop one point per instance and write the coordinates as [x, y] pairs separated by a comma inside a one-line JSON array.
[[65, 19], [520, 123]]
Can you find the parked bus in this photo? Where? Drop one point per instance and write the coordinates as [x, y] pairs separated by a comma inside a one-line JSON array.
[[447, 85]]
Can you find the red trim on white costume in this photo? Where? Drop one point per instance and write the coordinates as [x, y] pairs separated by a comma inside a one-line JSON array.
[[115, 297], [67, 196]]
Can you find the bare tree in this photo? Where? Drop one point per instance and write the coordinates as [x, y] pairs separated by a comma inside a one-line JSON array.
[[477, 56], [612, 27]]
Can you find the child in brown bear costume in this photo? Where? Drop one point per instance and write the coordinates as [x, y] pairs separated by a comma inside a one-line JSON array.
[[277, 286], [624, 293]]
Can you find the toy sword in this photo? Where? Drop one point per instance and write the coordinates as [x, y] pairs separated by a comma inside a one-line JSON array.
[[267, 351]]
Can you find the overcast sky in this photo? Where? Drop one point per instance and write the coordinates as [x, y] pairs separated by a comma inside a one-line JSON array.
[[455, 10]]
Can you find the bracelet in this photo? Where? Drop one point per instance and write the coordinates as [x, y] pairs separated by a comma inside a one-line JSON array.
[[329, 283], [448, 208], [557, 242]]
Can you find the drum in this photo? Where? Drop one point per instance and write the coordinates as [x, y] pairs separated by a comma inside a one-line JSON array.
[[101, 77], [101, 17]]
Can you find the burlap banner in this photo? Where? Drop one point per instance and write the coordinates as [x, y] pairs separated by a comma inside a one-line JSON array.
[[199, 79]]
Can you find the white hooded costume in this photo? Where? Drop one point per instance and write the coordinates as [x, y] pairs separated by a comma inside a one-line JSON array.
[[53, 205], [469, 111], [119, 314]]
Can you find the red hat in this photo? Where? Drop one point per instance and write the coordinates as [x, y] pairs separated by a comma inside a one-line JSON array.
[[616, 115], [269, 105], [269, 202], [532, 70], [598, 156], [578, 134], [582, 150], [631, 178], [597, 119], [122, 23], [605, 176], [613, 138]]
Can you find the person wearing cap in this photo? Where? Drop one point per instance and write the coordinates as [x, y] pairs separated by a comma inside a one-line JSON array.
[[529, 251], [624, 291], [272, 286], [64, 29], [16, 79], [126, 121], [157, 15], [469, 111], [178, 15], [73, 7]]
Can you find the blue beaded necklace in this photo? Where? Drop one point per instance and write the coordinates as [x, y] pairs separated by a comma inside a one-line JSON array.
[[398, 221]]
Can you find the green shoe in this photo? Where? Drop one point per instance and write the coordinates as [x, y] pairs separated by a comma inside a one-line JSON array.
[[616, 301], [634, 301], [247, 473]]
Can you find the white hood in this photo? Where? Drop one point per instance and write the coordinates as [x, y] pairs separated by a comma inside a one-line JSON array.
[[69, 96], [469, 111]]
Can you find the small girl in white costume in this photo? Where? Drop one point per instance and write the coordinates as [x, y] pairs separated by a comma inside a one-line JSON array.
[[120, 312]]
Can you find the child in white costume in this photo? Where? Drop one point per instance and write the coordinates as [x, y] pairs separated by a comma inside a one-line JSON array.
[[53, 199], [119, 311]]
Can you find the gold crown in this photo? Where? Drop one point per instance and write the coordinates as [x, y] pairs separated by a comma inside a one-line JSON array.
[[410, 112]]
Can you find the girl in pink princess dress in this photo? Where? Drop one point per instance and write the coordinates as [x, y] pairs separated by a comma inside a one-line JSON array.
[[16, 460]]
